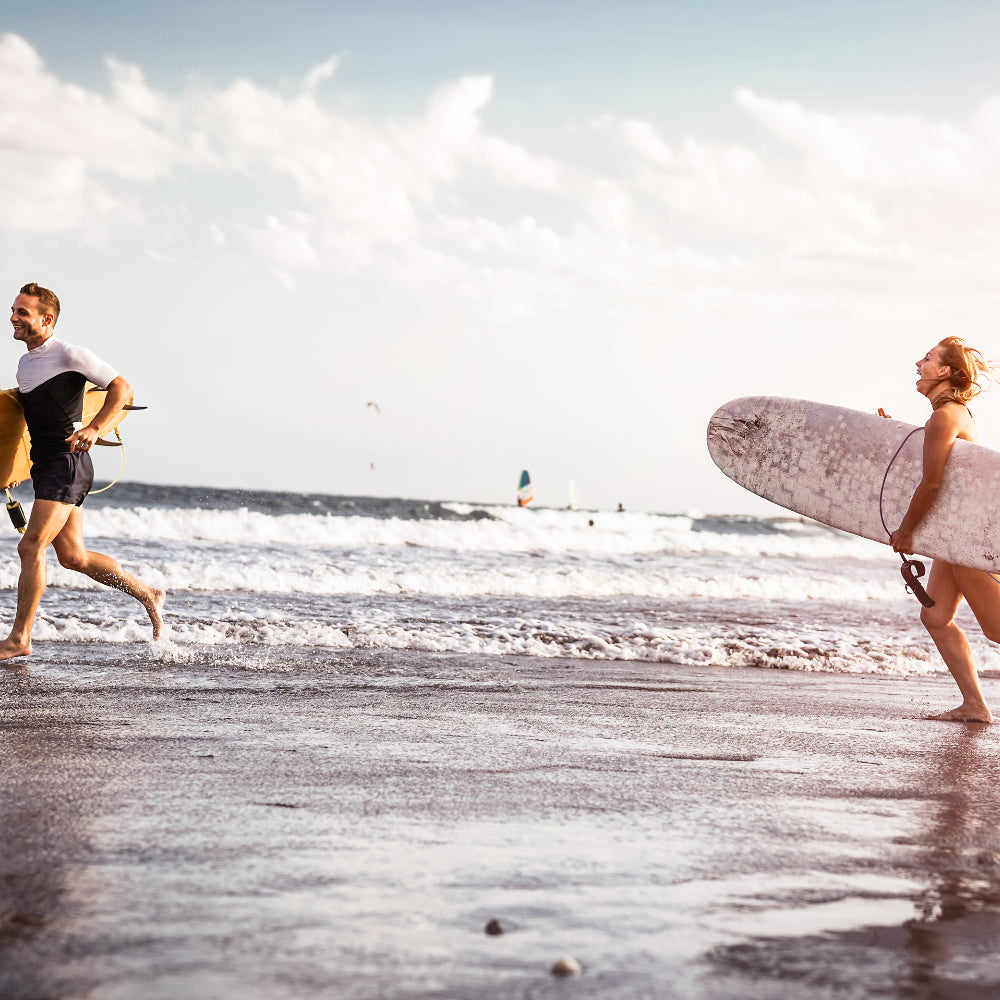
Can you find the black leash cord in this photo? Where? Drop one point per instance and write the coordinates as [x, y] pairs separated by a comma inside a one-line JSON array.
[[885, 478], [911, 569]]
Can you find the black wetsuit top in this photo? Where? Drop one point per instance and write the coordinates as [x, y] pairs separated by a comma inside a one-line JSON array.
[[50, 382]]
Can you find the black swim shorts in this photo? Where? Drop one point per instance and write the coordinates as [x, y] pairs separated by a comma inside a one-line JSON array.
[[64, 478]]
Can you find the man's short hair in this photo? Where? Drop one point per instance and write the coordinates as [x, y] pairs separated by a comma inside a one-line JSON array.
[[47, 299]]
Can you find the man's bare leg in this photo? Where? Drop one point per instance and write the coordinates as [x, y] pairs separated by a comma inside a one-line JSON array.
[[73, 554], [946, 585], [47, 520]]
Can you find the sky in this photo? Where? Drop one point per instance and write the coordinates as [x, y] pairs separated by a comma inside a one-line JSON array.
[[548, 235]]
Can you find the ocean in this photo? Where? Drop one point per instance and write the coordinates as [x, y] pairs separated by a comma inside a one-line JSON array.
[[270, 581]]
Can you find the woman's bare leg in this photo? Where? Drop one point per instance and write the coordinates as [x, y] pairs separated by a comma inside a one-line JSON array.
[[947, 585]]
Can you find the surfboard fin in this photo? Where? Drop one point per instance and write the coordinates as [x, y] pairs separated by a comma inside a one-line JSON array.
[[127, 406], [911, 570]]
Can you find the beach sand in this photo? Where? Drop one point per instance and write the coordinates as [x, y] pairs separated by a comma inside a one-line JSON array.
[[348, 828]]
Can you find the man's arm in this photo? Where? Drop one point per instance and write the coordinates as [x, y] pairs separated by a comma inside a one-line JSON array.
[[119, 392]]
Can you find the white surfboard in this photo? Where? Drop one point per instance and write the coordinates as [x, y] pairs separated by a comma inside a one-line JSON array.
[[841, 467]]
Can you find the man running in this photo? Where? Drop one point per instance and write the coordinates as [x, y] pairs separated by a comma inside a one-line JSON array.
[[51, 378]]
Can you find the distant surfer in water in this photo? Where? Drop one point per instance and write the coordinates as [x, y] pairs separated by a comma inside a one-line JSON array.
[[949, 377], [51, 378]]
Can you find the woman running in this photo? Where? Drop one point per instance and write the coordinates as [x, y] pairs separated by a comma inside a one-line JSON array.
[[949, 377]]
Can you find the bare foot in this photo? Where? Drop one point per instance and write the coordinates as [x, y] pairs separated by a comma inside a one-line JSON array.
[[964, 713], [154, 607], [9, 648]]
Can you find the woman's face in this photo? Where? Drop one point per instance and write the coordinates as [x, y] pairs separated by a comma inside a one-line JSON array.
[[931, 369]]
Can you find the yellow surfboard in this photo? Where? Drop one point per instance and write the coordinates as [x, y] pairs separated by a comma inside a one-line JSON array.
[[15, 443]]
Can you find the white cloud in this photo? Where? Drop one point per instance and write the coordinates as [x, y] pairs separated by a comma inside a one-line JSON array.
[[730, 190], [365, 187], [869, 149], [286, 241], [44, 120], [318, 74], [65, 150], [313, 187], [910, 183], [132, 94]]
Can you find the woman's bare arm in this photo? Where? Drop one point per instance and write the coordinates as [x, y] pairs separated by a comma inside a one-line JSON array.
[[940, 434]]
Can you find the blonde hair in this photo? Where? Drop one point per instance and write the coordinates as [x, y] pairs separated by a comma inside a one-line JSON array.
[[967, 367]]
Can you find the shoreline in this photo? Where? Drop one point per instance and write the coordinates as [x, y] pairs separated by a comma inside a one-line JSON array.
[[184, 831]]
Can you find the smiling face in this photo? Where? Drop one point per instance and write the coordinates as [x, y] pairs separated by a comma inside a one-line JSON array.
[[931, 371], [32, 323]]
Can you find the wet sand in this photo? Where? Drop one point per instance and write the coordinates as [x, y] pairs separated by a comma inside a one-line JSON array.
[[348, 830]]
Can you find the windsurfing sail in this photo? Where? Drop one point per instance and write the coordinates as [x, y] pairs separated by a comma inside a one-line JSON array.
[[524, 493]]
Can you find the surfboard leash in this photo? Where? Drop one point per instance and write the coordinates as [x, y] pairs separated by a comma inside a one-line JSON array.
[[16, 512], [912, 569], [111, 444]]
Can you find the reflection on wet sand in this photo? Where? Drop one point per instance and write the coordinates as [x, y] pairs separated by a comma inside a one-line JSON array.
[[44, 813], [959, 916], [949, 948]]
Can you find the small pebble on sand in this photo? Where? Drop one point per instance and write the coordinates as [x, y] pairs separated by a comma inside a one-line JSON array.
[[566, 966]]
